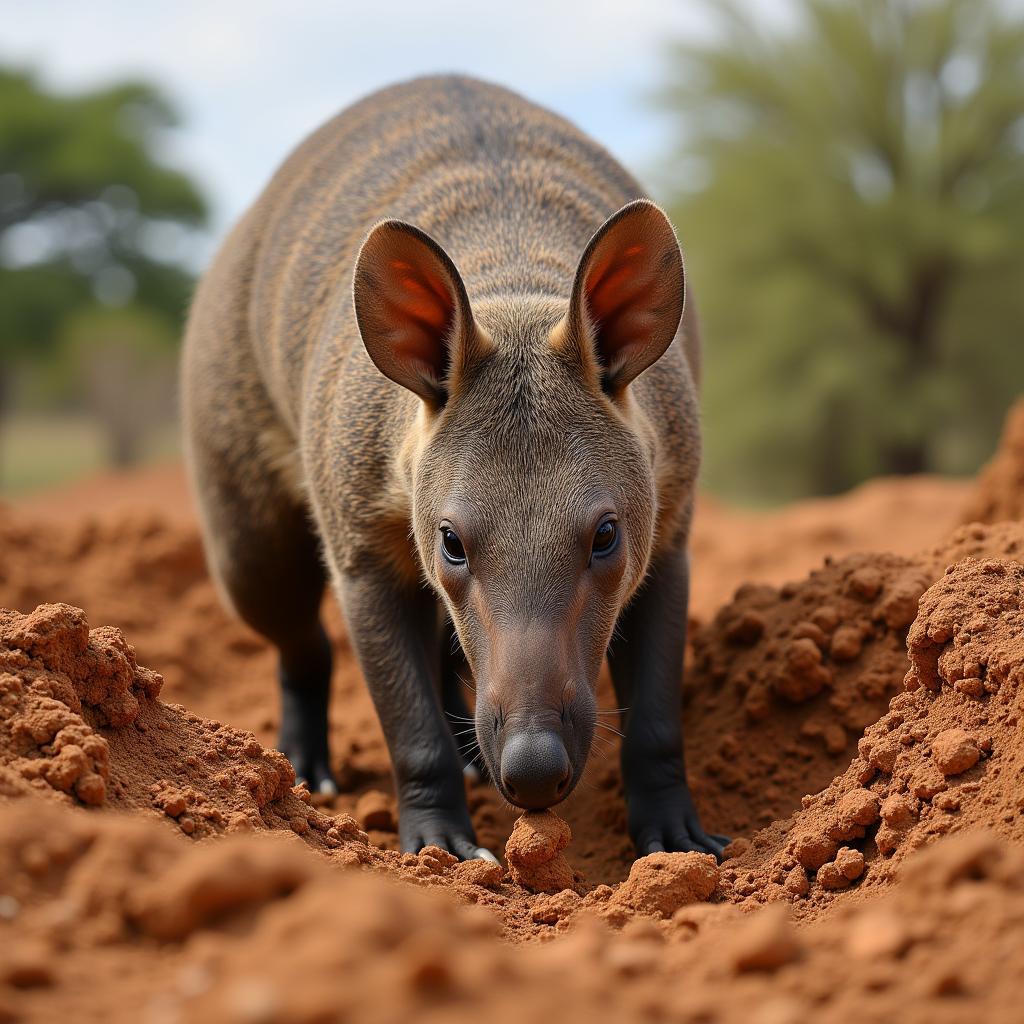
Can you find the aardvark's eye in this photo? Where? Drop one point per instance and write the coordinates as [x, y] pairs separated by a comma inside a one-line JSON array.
[[605, 537], [451, 546]]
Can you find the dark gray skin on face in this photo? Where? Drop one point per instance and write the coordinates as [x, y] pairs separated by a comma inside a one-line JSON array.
[[487, 426], [525, 464]]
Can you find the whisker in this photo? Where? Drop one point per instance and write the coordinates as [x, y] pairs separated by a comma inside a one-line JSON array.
[[508, 805], [611, 729], [584, 781]]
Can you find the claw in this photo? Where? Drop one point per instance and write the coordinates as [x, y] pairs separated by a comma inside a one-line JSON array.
[[482, 853], [712, 844], [447, 828]]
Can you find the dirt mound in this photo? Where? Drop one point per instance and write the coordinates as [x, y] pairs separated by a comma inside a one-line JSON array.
[[126, 549], [249, 928], [81, 723], [144, 573], [81, 720], [999, 490], [785, 680], [946, 757], [661, 883], [103, 911], [977, 540]]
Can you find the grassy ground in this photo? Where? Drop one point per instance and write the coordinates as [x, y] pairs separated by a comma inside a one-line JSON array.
[[37, 452]]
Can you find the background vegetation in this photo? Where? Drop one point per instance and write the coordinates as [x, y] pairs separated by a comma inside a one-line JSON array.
[[92, 290], [855, 228], [849, 187]]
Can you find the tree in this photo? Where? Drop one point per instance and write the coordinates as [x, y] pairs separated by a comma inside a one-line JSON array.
[[850, 196], [90, 216], [123, 364]]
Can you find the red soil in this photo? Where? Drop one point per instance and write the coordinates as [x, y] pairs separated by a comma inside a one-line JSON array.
[[534, 853], [946, 757], [999, 493], [856, 725]]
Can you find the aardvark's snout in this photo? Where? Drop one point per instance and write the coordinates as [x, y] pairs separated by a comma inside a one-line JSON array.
[[535, 713], [535, 769]]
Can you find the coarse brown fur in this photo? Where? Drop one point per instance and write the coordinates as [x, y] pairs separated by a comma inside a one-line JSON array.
[[309, 464]]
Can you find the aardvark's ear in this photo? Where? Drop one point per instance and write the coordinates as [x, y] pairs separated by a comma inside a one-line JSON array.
[[412, 310], [627, 298]]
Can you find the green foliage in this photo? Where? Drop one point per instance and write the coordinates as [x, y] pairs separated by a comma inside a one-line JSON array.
[[854, 227], [35, 300], [81, 191], [92, 287], [124, 367], [70, 149]]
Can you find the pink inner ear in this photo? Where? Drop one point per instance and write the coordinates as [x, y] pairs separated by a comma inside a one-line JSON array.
[[421, 311], [619, 298]]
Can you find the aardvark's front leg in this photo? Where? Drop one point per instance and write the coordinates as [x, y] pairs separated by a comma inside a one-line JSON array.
[[646, 660], [394, 630]]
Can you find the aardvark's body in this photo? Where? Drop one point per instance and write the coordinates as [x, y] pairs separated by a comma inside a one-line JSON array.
[[523, 476]]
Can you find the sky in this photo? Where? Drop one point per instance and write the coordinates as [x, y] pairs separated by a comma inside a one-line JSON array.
[[252, 77]]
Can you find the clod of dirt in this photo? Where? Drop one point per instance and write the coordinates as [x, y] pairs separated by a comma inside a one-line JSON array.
[[660, 883], [954, 751], [847, 867], [999, 489], [559, 906], [534, 853], [376, 811]]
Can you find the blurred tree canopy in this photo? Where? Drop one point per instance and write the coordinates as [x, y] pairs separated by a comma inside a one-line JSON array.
[[851, 206], [91, 218]]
